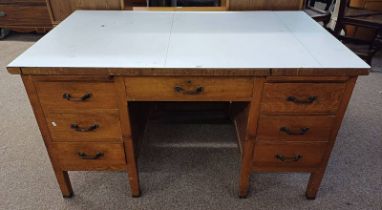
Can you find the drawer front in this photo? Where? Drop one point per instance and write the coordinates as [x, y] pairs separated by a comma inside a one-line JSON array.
[[92, 126], [295, 128], [83, 156], [77, 95], [32, 16], [302, 97], [289, 155], [177, 88]]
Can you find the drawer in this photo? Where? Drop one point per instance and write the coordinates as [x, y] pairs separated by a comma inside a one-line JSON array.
[[180, 88], [289, 155], [302, 97], [86, 156], [103, 125], [32, 16], [295, 128], [77, 95]]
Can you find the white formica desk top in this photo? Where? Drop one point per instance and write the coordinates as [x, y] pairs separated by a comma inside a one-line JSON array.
[[139, 39]]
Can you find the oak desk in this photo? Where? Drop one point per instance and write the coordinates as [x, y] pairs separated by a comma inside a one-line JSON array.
[[289, 82]]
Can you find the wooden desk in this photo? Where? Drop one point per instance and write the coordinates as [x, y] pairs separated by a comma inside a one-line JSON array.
[[288, 79]]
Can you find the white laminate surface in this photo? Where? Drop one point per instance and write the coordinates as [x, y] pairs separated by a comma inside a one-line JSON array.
[[139, 39], [102, 39], [321, 45], [247, 39]]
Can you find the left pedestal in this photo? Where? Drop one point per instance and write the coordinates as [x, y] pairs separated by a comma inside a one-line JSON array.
[[85, 125]]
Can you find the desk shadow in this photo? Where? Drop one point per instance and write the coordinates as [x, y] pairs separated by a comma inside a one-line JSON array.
[[23, 37]]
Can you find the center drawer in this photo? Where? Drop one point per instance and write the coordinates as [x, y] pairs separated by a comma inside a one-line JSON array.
[[188, 89], [95, 125], [89, 156]]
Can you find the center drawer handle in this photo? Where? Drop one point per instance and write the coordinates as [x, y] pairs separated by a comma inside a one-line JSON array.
[[196, 91], [76, 127], [85, 156], [69, 97], [289, 159], [295, 100], [291, 133], [2, 14]]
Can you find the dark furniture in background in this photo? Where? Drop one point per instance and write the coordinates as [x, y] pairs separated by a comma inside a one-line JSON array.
[[318, 14], [361, 18], [196, 3], [24, 16], [266, 4], [180, 3], [328, 3]]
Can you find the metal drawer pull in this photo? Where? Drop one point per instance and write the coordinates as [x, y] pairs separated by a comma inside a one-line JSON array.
[[76, 127], [69, 97], [85, 156], [2, 14], [295, 100], [196, 91], [289, 159], [291, 133]]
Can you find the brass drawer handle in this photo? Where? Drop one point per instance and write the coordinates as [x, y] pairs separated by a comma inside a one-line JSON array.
[[76, 127], [288, 159], [85, 156], [291, 133], [69, 97], [295, 100], [2, 14], [196, 91]]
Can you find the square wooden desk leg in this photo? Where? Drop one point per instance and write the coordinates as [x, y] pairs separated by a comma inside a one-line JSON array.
[[64, 183], [132, 170], [246, 168], [314, 184]]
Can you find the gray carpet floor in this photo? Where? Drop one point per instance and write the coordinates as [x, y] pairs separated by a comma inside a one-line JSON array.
[[187, 166]]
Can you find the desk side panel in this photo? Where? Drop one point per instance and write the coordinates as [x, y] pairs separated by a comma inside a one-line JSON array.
[[61, 175]]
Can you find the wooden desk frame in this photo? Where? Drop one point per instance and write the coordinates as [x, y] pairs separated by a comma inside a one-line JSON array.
[[246, 121]]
